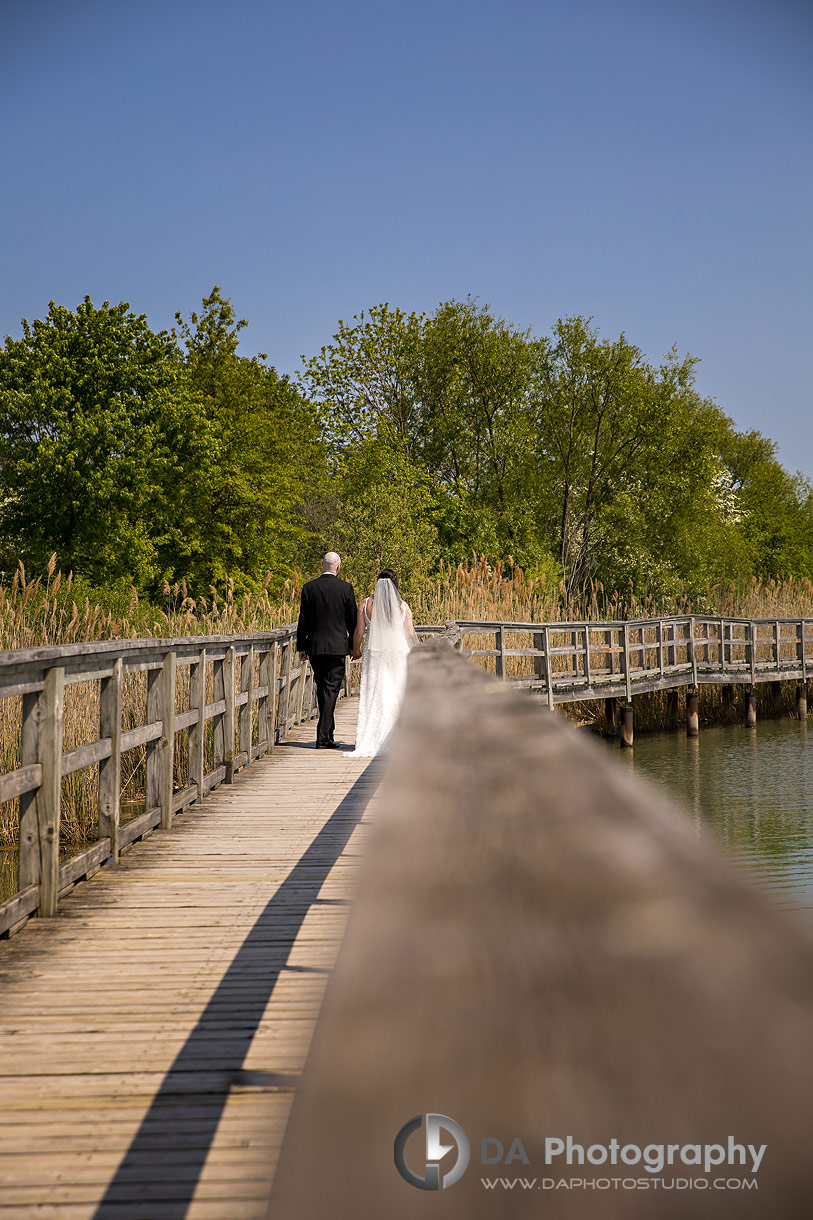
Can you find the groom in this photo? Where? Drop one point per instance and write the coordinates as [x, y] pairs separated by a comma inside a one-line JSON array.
[[327, 620]]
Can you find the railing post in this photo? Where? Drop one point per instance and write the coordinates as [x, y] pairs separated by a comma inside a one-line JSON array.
[[247, 710], [49, 794], [218, 695], [659, 639], [285, 689], [228, 719], [197, 732], [539, 662], [692, 651], [268, 677], [752, 651], [722, 645], [29, 849], [499, 644], [110, 768], [777, 643], [587, 671], [161, 752], [627, 663], [548, 667]]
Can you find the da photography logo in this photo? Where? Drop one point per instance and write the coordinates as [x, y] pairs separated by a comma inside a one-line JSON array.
[[436, 1150]]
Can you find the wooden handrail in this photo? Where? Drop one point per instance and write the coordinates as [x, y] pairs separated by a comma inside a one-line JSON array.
[[541, 947], [584, 660], [283, 696]]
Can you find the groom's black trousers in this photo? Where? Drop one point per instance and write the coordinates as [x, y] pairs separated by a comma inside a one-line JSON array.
[[328, 672]]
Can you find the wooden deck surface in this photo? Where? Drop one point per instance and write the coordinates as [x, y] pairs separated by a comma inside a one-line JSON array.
[[151, 1036]]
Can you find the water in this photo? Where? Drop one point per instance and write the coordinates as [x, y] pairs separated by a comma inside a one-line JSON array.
[[752, 789]]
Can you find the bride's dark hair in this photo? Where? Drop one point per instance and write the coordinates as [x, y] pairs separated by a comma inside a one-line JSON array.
[[388, 574]]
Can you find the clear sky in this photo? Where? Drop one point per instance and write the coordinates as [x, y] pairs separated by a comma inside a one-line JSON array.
[[644, 162]]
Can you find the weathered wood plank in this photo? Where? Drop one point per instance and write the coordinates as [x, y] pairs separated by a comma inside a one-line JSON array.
[[51, 714], [566, 956], [24, 779]]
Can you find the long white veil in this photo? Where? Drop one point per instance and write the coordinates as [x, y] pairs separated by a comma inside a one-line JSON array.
[[386, 630]]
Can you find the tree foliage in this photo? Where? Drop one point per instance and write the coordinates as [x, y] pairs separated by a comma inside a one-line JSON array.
[[154, 457]]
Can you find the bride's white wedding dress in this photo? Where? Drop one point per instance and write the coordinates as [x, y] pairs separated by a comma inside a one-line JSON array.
[[383, 670]]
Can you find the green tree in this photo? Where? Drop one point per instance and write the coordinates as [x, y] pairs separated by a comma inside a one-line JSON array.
[[99, 434], [270, 454]]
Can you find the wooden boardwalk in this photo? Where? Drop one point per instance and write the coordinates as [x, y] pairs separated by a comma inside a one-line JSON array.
[[151, 1036]]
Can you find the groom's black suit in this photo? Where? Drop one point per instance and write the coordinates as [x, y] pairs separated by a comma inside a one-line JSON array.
[[327, 620]]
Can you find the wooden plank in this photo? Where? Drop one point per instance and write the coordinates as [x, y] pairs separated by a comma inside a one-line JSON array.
[[185, 797], [572, 933], [28, 850], [138, 826], [197, 703], [185, 720], [247, 709], [110, 767], [85, 756], [214, 779], [83, 863], [218, 703], [24, 779], [17, 908], [49, 793], [229, 678], [140, 736]]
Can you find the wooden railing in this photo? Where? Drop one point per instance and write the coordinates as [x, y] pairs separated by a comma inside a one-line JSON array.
[[238, 696], [542, 947], [591, 660]]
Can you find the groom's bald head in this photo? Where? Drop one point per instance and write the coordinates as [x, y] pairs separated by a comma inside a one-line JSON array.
[[331, 562]]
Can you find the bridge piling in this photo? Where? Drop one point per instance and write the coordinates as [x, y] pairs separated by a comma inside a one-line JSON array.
[[801, 701], [627, 725], [692, 717], [751, 709]]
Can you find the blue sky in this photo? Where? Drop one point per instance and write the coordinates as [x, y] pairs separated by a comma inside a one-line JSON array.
[[645, 163]]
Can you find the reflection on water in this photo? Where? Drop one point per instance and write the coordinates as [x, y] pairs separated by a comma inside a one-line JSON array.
[[753, 787]]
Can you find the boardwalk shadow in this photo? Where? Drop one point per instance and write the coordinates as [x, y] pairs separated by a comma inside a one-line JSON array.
[[180, 1125]]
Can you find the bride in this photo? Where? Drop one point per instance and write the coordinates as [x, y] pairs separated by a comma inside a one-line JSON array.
[[386, 621]]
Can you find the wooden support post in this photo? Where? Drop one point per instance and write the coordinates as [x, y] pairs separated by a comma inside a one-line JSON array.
[[268, 677], [29, 849], [692, 717], [161, 752], [346, 681], [299, 705], [659, 639], [776, 698], [627, 675], [752, 653], [751, 709], [588, 676], [110, 768], [609, 717], [499, 644], [692, 652], [197, 732], [229, 667], [49, 795], [627, 725], [218, 694], [801, 701], [247, 710], [539, 662], [548, 667], [609, 638], [285, 690], [672, 709]]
